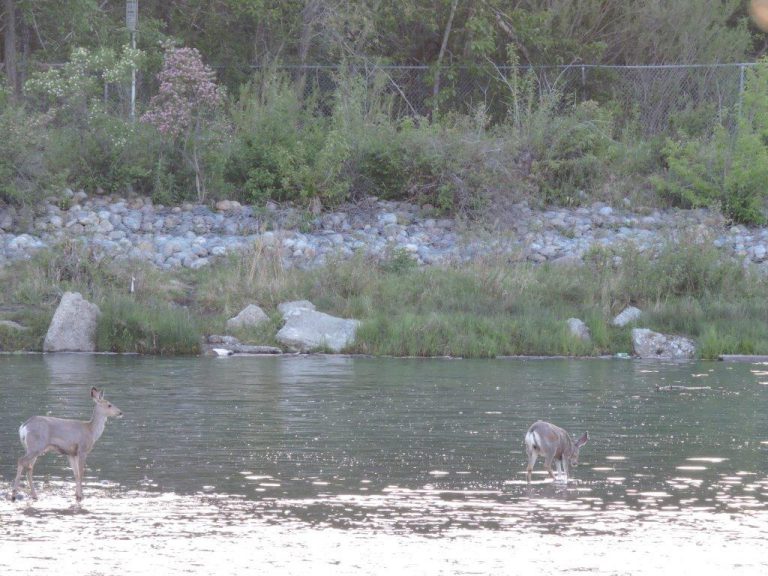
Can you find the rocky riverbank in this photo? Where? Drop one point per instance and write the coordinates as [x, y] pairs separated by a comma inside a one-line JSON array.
[[192, 235]]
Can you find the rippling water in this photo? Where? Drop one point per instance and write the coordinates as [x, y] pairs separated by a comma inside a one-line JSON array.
[[385, 466]]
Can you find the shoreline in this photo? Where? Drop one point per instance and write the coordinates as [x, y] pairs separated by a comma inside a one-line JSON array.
[[735, 358], [488, 296]]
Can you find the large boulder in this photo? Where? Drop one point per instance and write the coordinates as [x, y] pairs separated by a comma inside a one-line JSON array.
[[306, 329], [649, 344], [249, 317], [294, 308], [579, 329], [629, 314], [73, 327]]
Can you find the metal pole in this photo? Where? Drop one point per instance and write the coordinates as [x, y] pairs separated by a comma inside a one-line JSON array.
[[741, 86], [133, 80], [131, 22]]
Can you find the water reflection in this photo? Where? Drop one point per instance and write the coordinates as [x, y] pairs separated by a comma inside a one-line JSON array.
[[348, 462]]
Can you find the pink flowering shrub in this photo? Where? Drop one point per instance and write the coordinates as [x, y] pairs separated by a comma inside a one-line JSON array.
[[187, 92], [184, 109]]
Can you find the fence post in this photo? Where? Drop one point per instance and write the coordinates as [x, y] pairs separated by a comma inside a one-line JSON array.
[[741, 86]]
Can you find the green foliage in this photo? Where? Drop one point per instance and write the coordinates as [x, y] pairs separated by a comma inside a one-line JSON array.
[[725, 172], [75, 90], [24, 174], [728, 169], [277, 141], [400, 261], [382, 171], [113, 155], [570, 149], [128, 325]]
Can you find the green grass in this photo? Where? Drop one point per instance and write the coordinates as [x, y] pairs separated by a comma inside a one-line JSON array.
[[127, 325], [481, 309]]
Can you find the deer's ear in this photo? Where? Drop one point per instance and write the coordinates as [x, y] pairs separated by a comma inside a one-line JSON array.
[[96, 394], [583, 440]]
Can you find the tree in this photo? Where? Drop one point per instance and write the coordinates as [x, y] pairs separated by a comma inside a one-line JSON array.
[[9, 47], [182, 109]]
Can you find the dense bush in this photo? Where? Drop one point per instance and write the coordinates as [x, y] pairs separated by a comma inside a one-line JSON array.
[[276, 141], [726, 169], [111, 156], [24, 137], [570, 149]]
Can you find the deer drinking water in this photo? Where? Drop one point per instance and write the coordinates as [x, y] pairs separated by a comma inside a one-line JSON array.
[[554, 444], [73, 438]]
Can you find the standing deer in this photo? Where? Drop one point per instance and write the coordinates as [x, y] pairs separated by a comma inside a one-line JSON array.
[[73, 438], [553, 443]]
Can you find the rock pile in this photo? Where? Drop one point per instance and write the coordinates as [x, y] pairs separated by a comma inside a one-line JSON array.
[[191, 235]]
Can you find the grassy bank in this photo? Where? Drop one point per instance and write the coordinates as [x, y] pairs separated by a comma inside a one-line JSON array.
[[483, 309]]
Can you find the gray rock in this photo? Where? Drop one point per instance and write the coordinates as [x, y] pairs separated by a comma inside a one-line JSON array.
[[197, 264], [6, 220], [294, 308], [306, 329], [578, 329], [224, 340], [387, 219], [234, 346], [132, 221], [104, 226], [249, 317], [73, 327], [649, 344], [629, 314], [11, 325], [569, 260]]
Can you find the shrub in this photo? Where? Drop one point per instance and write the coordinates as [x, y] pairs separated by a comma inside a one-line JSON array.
[[728, 169], [24, 174], [569, 150], [113, 155], [725, 172], [184, 112], [276, 142]]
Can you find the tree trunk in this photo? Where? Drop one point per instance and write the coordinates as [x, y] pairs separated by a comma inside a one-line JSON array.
[[10, 50], [446, 34], [308, 22]]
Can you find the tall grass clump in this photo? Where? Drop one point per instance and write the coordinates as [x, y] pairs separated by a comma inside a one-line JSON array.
[[128, 325]]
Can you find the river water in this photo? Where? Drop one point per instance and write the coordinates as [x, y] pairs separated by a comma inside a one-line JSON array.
[[340, 465]]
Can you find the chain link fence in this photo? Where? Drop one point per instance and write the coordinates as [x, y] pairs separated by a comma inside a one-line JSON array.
[[657, 97]]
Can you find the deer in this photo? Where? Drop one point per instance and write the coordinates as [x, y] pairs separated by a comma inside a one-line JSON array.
[[554, 444], [73, 438]]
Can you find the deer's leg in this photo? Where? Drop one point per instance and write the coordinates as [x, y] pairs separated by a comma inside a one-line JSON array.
[[26, 462], [531, 461], [74, 462], [548, 466], [81, 473], [30, 469], [19, 471]]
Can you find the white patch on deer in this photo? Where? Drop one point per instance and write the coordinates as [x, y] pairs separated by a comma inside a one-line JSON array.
[[23, 435]]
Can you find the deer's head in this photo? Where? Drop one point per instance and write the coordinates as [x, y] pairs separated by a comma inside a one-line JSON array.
[[105, 405], [574, 457]]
